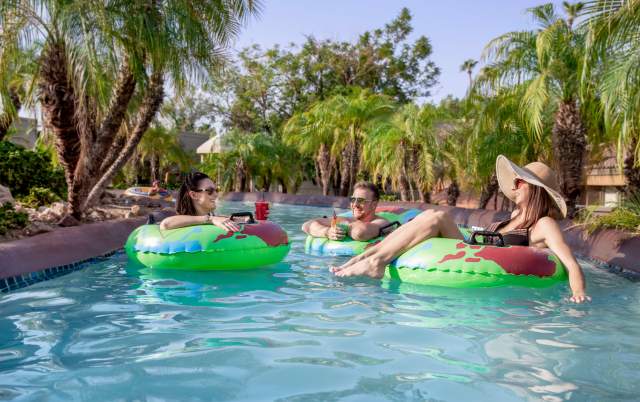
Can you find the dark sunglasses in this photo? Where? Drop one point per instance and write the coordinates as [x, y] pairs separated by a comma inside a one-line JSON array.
[[359, 201], [517, 182], [209, 191]]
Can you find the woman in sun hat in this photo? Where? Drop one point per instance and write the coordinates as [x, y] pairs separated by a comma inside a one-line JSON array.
[[534, 190]]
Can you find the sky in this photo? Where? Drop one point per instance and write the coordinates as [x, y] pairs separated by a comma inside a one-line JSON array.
[[458, 29]]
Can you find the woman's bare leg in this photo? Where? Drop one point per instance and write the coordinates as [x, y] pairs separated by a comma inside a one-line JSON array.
[[425, 226]]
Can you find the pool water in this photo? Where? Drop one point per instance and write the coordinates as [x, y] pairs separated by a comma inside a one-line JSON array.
[[294, 332]]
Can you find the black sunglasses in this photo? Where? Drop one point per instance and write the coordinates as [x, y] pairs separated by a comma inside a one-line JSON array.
[[209, 191], [359, 201]]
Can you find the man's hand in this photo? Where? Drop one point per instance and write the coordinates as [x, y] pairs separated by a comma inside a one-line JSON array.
[[336, 233]]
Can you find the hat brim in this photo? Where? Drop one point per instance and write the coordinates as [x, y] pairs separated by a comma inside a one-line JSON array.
[[507, 172]]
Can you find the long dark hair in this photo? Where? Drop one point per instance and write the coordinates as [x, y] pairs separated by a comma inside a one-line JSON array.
[[184, 203], [539, 205]]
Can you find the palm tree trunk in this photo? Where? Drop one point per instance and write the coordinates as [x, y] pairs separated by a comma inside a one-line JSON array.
[[239, 176], [569, 145], [323, 161], [632, 168], [58, 100], [344, 172], [7, 118], [425, 196], [453, 192], [403, 186], [490, 188], [151, 103], [354, 162]]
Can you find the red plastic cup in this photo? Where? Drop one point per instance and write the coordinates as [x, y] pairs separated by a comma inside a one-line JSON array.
[[262, 210]]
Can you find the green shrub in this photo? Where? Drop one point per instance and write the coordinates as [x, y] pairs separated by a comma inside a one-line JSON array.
[[626, 217], [21, 169], [10, 219], [388, 197], [39, 196]]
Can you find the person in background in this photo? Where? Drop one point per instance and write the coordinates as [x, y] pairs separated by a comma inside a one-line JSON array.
[[155, 188], [195, 205], [535, 191], [365, 224]]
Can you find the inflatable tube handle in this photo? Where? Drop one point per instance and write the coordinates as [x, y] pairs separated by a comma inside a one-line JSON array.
[[485, 233], [243, 214], [387, 226]]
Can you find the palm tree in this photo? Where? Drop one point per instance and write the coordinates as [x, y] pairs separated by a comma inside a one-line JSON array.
[[354, 116], [548, 62], [101, 66], [402, 151], [311, 133], [615, 45], [468, 66], [162, 149]]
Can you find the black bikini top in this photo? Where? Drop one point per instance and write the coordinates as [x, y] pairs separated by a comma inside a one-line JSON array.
[[515, 237]]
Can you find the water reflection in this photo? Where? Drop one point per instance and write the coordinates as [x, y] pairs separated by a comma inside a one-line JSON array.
[[209, 288]]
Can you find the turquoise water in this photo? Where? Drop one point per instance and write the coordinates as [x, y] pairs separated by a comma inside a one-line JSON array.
[[293, 332]]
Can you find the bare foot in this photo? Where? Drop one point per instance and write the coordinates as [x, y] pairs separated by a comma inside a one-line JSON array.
[[372, 267], [353, 260]]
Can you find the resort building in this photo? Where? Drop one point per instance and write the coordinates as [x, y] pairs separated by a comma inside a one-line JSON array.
[[604, 181]]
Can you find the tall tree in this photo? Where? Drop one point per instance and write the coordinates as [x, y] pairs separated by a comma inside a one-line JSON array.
[[549, 63], [100, 66], [614, 45], [468, 66]]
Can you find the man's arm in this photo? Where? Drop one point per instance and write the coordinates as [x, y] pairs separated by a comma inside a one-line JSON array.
[[363, 231], [317, 227]]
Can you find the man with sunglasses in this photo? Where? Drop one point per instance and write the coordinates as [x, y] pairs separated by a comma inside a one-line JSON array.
[[365, 224]]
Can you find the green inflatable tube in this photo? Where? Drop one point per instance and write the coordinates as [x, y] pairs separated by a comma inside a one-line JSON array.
[[348, 246], [456, 264], [208, 247]]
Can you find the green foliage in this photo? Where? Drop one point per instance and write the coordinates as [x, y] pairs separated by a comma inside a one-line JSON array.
[[39, 196], [21, 169], [10, 219], [626, 217]]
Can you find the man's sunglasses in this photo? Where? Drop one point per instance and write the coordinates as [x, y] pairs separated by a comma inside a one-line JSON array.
[[209, 191], [359, 201]]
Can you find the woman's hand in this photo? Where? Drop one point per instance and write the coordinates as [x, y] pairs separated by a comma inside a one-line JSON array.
[[580, 297], [224, 223]]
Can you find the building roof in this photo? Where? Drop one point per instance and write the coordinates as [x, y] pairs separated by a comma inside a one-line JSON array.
[[190, 141], [213, 145]]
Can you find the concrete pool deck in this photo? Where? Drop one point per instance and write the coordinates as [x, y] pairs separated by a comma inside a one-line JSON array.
[[68, 247]]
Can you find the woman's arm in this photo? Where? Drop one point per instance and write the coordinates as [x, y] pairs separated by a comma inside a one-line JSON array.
[[554, 240], [179, 221]]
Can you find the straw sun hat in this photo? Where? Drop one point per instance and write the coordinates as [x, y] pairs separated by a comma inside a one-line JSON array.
[[536, 173]]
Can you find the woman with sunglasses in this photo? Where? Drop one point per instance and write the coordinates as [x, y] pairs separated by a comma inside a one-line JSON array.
[[195, 205], [535, 192]]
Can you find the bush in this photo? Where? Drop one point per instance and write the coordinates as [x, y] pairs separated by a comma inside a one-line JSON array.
[[10, 219], [21, 169], [39, 196], [626, 217]]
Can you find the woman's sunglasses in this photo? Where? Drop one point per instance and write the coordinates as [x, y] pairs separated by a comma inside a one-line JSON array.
[[209, 191], [517, 182]]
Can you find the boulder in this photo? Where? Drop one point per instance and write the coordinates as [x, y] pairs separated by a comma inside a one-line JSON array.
[[67, 221], [5, 195], [36, 227]]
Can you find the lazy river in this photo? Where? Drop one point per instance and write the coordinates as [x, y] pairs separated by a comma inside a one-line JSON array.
[[294, 332]]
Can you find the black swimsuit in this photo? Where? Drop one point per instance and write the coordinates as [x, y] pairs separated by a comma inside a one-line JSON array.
[[515, 237]]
